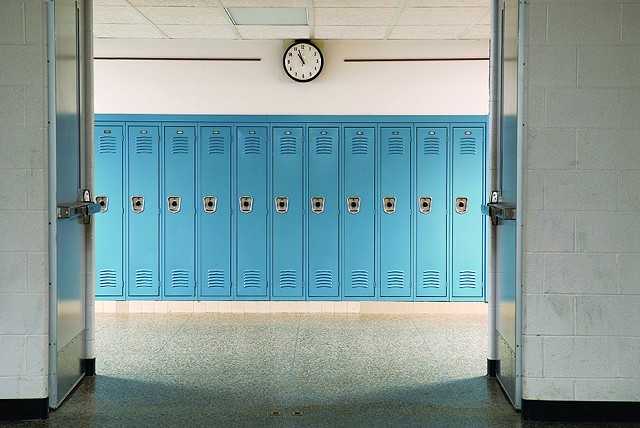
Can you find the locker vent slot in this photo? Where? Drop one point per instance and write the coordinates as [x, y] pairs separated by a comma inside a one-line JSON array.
[[144, 278], [180, 146], [395, 279], [251, 278], [324, 146], [215, 278], [288, 146], [324, 279], [395, 146], [251, 146], [215, 146], [468, 146], [359, 146], [107, 278], [288, 278], [431, 146], [179, 278], [430, 279], [107, 145], [359, 279], [144, 145], [467, 279]]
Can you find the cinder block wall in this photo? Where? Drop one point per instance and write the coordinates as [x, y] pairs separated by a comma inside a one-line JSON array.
[[582, 208], [23, 200]]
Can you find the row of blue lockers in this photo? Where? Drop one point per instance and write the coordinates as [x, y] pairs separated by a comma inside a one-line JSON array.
[[290, 208]]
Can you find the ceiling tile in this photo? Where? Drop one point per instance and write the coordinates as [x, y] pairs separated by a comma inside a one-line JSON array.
[[355, 3], [216, 32], [360, 32], [264, 3], [116, 15], [126, 31], [184, 15], [273, 32], [353, 16], [175, 3], [449, 3], [427, 32], [439, 16], [486, 18], [477, 32], [110, 3]]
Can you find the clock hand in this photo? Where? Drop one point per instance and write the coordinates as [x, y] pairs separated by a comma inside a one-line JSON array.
[[300, 56]]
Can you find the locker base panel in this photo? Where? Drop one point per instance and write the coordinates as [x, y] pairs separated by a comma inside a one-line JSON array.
[[257, 307]]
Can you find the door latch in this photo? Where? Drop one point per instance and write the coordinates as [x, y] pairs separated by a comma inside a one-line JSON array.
[[104, 203], [461, 205], [174, 203], [137, 204], [317, 204], [425, 205], [282, 204], [353, 204], [389, 204], [210, 204], [246, 204]]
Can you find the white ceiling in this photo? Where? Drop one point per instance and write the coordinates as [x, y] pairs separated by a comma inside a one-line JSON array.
[[328, 19]]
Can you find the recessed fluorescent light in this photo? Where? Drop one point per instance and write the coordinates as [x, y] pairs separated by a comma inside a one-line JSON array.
[[268, 15]]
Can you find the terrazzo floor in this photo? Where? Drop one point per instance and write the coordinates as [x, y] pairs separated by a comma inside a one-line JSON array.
[[288, 370]]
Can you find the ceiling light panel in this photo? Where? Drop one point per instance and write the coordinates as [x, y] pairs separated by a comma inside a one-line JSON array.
[[268, 15]]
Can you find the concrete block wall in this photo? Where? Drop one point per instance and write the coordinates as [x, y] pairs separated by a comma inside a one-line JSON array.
[[581, 319], [24, 271]]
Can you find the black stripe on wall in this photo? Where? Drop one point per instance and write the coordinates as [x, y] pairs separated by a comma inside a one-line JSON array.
[[581, 411], [27, 408]]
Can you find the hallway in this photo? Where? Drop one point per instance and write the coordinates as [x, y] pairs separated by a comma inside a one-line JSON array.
[[337, 370]]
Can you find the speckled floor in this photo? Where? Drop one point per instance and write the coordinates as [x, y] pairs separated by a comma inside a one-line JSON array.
[[288, 370]]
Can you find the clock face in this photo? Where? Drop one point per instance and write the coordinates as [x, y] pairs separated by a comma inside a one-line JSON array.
[[302, 61]]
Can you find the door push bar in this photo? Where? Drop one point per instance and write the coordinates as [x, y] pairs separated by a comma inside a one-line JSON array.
[[83, 208], [497, 210]]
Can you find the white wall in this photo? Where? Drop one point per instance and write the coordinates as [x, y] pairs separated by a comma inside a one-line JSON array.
[[392, 88], [24, 275], [582, 219]]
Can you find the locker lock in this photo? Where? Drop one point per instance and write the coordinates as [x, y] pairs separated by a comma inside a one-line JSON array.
[[246, 204], [210, 204], [137, 204], [317, 204], [104, 203], [461, 205], [389, 204], [425, 205], [174, 203], [282, 204], [353, 204]]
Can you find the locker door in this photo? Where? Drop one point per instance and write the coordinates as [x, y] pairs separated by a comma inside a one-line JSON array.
[[430, 204], [179, 211], [214, 212], [287, 202], [358, 212], [108, 169], [395, 212], [143, 211], [468, 149], [251, 200], [323, 213]]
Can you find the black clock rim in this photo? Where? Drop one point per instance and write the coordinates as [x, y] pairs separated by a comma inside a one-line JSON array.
[[284, 59]]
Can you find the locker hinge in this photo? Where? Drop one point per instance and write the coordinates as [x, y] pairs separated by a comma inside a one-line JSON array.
[[231, 211]]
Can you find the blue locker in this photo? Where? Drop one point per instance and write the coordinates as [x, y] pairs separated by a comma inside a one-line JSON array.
[[395, 212], [467, 220], [323, 215], [143, 211], [179, 211], [252, 206], [430, 202], [358, 212], [214, 211], [287, 213], [109, 226]]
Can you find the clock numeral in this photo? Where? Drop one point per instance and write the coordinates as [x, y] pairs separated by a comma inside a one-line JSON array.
[[288, 61]]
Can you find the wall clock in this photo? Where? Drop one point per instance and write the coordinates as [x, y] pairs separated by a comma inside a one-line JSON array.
[[302, 61]]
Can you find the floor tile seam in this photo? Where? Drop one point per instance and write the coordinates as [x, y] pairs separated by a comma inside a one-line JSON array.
[[180, 327]]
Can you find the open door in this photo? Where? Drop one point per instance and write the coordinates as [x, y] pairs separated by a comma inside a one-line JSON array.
[[506, 201], [70, 206]]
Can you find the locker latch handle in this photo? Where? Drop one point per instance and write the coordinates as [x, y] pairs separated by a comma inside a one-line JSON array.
[[137, 204], [317, 204], [425, 205], [353, 204], [282, 204], [104, 203], [246, 204], [462, 205], [389, 204], [173, 203], [210, 204]]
